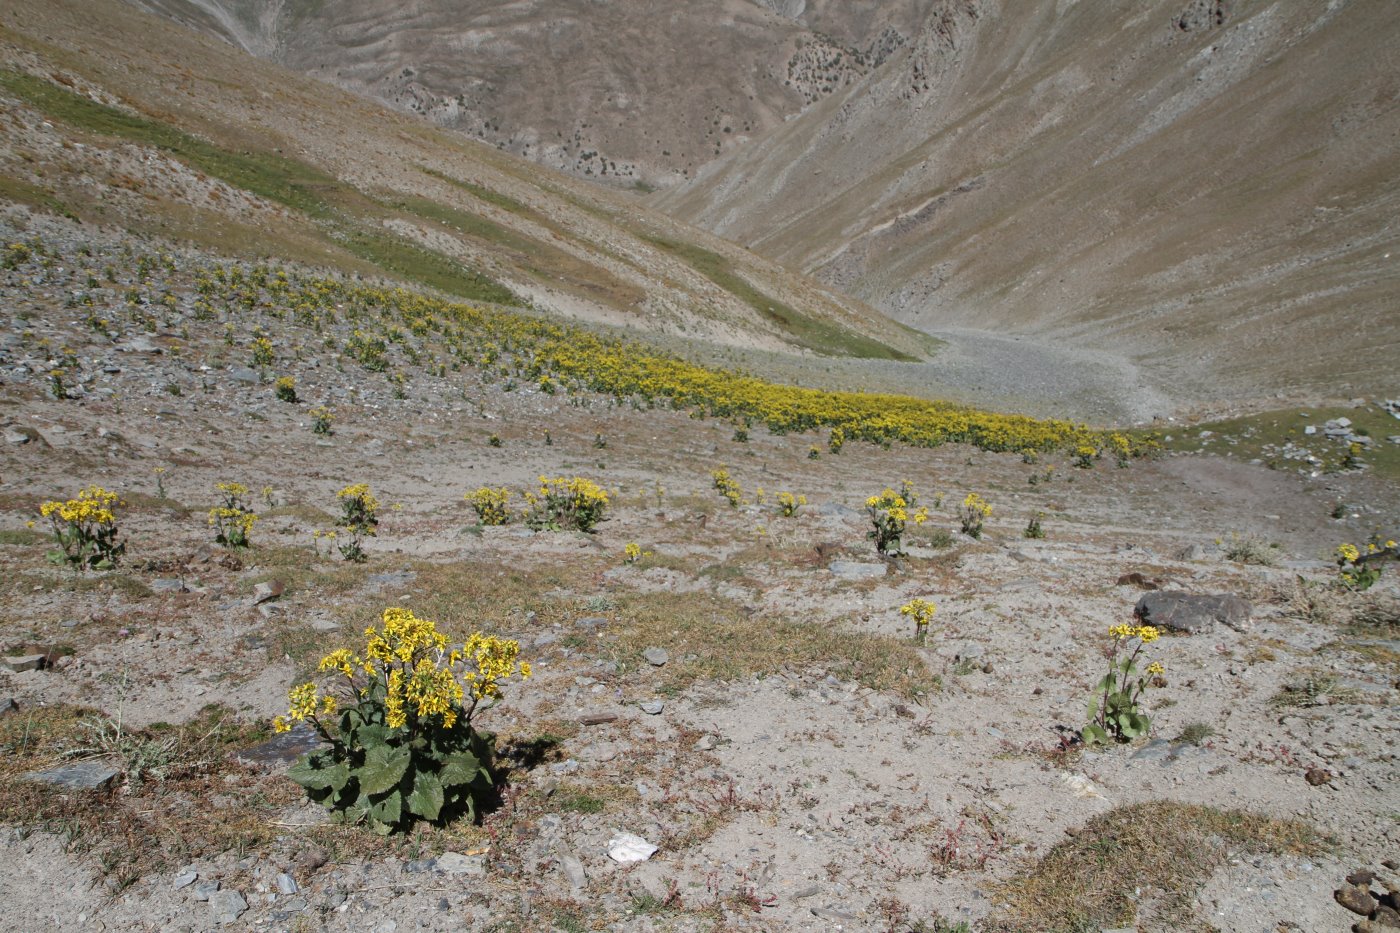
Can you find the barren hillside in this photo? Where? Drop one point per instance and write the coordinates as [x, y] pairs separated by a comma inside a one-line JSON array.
[[1208, 188], [119, 117]]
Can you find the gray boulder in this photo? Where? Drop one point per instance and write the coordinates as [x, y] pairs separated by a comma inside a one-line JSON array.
[[1177, 611]]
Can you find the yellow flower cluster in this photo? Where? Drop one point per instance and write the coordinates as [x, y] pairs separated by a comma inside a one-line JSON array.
[[575, 493], [93, 506], [491, 505], [632, 552], [727, 486], [232, 522], [1155, 668], [788, 504], [359, 497], [890, 502], [407, 666], [976, 504], [920, 610], [574, 358], [1147, 633], [1348, 553]]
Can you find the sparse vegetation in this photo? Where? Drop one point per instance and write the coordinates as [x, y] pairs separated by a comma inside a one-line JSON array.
[[1163, 847]]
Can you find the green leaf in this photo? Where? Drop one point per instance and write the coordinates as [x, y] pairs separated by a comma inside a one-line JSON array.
[[1094, 735], [459, 768], [311, 774], [372, 734], [426, 800], [387, 811], [384, 767]]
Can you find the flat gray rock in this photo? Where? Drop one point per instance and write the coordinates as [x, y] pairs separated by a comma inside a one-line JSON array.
[[26, 662], [282, 749], [226, 906], [856, 570], [82, 775], [455, 863], [244, 374], [1178, 611], [573, 871], [656, 657]]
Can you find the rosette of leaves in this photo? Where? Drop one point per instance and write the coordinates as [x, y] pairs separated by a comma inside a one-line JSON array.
[[402, 747]]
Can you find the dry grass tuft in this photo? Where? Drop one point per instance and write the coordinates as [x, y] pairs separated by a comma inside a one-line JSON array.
[[1165, 849], [712, 639]]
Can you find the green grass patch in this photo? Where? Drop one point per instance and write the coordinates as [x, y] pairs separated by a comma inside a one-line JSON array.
[[1162, 848], [540, 260], [816, 335], [490, 196], [1265, 436], [411, 261]]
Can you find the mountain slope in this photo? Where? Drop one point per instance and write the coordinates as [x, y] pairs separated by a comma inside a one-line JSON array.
[[639, 93], [119, 117], [1207, 188]]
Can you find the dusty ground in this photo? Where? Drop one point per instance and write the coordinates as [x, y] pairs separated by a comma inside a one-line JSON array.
[[811, 767]]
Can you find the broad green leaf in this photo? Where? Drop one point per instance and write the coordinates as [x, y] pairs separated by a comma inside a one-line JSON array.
[[384, 767], [426, 800], [388, 811], [309, 775], [371, 734], [459, 768]]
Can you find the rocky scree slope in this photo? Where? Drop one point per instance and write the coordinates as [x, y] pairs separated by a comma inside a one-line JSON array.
[[635, 94], [1207, 188]]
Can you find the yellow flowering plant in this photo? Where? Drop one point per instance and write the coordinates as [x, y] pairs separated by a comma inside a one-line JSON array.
[[1114, 713], [359, 517], [566, 503], [727, 486], [263, 354], [889, 516], [491, 505], [85, 529], [974, 511], [632, 553], [398, 723], [921, 612], [1354, 566], [322, 420], [232, 521], [788, 504], [285, 388]]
